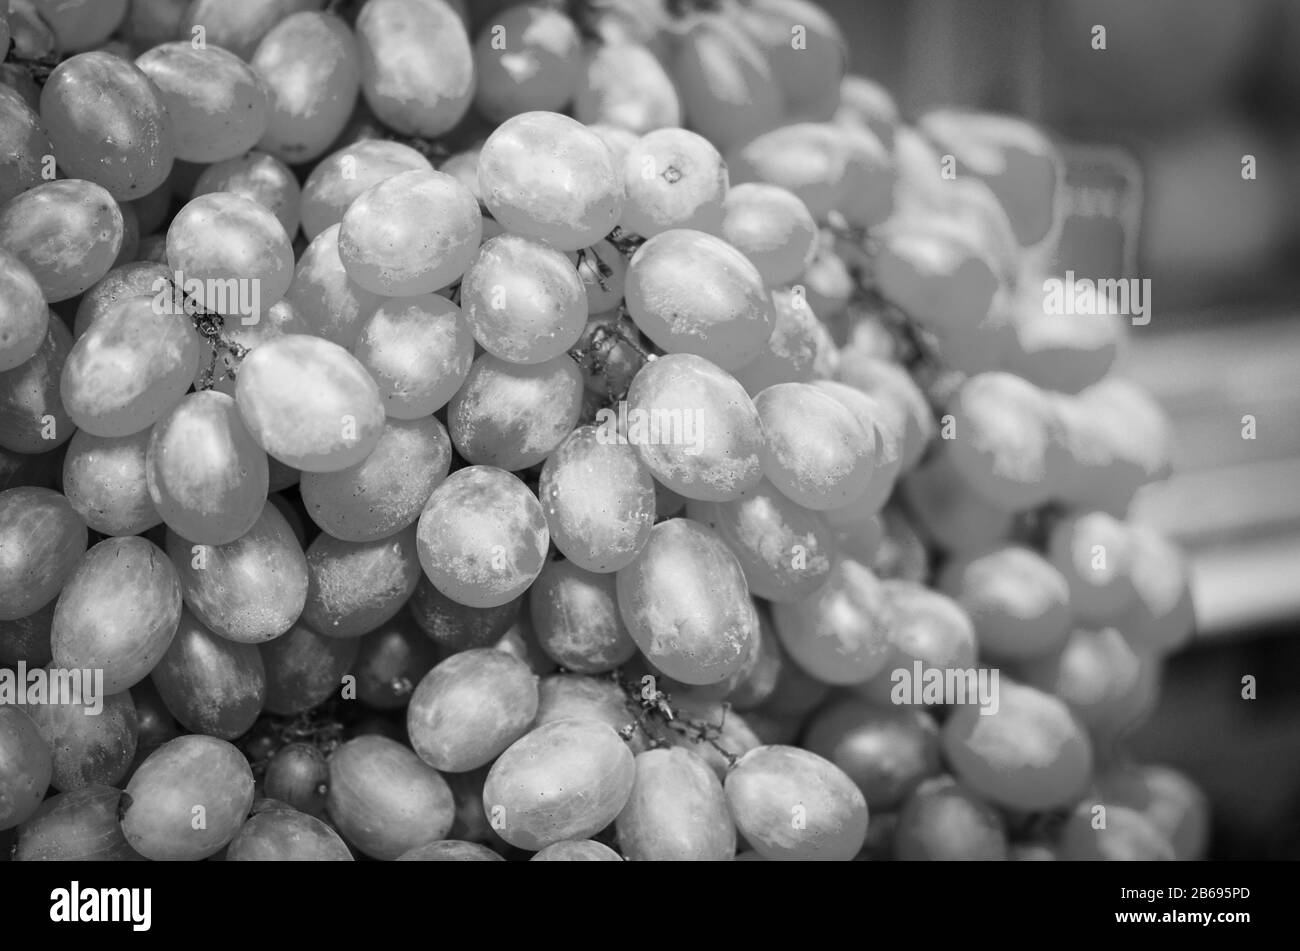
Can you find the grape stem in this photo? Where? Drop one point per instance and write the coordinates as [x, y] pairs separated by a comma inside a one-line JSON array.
[[624, 242], [653, 714], [209, 326]]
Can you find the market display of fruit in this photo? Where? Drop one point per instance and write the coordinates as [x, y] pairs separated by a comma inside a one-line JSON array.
[[458, 430]]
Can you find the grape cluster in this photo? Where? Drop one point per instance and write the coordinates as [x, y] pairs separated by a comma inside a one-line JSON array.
[[465, 430]]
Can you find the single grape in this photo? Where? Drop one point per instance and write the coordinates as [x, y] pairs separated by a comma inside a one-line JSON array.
[[24, 144], [482, 537], [118, 611], [944, 822], [785, 550], [469, 708], [819, 454], [674, 179], [694, 427], [524, 301], [27, 639], [926, 628], [690, 292], [298, 774], [236, 27], [385, 492], [338, 178], [576, 618], [216, 102], [935, 274], [599, 500], [840, 633], [547, 177], [249, 590], [67, 234], [1061, 352], [410, 234], [676, 812], [1161, 617], [623, 85], [827, 283], [1004, 447], [232, 253], [417, 65], [888, 751], [353, 587], [77, 826], [91, 742], [577, 850], [207, 478], [28, 767], [686, 604], [24, 317], [108, 124], [772, 227], [187, 772], [105, 481], [310, 66], [303, 669], [260, 177], [565, 780], [1018, 602], [793, 805], [418, 350], [527, 58], [513, 416], [81, 24], [42, 540], [391, 661], [450, 850], [1093, 551], [1126, 836], [727, 89], [1031, 754], [286, 835], [384, 799], [129, 368], [309, 403], [453, 626], [210, 685]]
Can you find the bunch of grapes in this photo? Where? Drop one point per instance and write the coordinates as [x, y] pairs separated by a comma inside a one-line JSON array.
[[465, 431]]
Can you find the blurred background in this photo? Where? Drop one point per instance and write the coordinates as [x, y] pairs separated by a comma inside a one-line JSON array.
[[1161, 120]]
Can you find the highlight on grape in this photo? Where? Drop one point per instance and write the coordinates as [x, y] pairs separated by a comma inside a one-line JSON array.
[[471, 430], [55, 686], [653, 426]]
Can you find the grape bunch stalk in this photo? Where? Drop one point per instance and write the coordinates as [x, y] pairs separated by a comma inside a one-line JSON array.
[[467, 430]]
